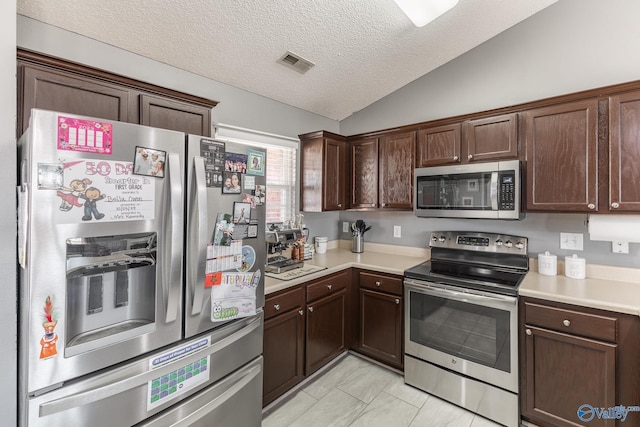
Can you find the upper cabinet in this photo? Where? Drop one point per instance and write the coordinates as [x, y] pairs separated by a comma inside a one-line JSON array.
[[324, 172], [562, 157], [486, 139], [624, 153], [57, 85], [364, 173]]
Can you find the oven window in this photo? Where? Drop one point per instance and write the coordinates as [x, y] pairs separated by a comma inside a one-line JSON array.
[[468, 331]]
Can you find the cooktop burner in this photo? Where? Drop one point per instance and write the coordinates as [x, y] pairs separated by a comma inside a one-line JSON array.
[[482, 261]]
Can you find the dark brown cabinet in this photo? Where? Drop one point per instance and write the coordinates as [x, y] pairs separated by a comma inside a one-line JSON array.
[[380, 317], [572, 356], [364, 173], [439, 145], [283, 348], [624, 153], [57, 85], [562, 157], [324, 172]]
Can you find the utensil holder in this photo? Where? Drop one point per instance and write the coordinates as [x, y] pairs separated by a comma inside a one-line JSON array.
[[357, 244]]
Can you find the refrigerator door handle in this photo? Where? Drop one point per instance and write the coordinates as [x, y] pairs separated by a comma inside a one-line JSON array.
[[217, 402], [103, 392], [172, 278], [197, 243]]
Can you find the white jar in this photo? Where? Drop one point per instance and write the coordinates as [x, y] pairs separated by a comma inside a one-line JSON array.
[[574, 267], [547, 264], [321, 245]]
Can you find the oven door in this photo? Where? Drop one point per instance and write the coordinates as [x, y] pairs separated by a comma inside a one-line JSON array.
[[466, 331]]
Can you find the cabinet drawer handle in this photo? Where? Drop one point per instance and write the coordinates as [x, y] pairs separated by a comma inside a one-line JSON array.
[[329, 287], [566, 322], [276, 306], [470, 156], [397, 300], [301, 312], [310, 308], [455, 158], [528, 331], [591, 206], [615, 205], [378, 284]]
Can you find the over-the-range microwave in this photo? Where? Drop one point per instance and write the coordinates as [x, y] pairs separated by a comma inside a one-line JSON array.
[[479, 190]]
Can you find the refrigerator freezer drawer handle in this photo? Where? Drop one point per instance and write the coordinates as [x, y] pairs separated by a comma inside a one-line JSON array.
[[173, 279], [199, 211], [105, 392], [215, 403]]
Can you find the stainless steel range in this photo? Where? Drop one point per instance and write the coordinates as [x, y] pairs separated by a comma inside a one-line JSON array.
[[461, 314]]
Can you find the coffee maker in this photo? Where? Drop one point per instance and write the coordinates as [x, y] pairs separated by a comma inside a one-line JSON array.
[[277, 242]]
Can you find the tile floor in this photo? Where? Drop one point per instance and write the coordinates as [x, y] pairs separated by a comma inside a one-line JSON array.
[[356, 392]]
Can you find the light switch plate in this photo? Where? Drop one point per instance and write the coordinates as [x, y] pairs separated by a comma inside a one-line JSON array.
[[619, 247], [345, 227], [571, 241], [397, 231]]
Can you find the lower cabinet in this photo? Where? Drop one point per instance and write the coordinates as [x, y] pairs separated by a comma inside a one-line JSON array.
[[380, 317], [576, 363]]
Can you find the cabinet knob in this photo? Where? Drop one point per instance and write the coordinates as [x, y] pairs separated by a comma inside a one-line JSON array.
[[276, 307], [455, 158], [528, 331], [566, 322], [339, 205], [615, 205], [301, 312], [329, 287], [470, 156], [591, 206], [378, 284], [397, 300], [310, 308]]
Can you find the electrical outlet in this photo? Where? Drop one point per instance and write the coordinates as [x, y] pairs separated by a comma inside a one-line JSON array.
[[345, 227], [571, 241], [397, 231], [619, 247]]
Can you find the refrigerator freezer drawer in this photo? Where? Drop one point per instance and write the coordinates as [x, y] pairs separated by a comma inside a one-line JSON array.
[[132, 393]]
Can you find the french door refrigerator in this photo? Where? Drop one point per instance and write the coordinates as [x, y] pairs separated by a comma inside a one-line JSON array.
[[102, 226]]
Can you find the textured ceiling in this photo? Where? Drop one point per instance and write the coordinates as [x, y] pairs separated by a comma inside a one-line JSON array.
[[363, 49]]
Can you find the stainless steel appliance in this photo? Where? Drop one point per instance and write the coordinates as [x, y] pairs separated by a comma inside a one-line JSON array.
[[105, 337], [277, 240], [479, 190], [461, 339]]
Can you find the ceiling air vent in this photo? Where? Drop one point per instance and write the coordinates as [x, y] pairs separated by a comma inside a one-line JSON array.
[[295, 62]]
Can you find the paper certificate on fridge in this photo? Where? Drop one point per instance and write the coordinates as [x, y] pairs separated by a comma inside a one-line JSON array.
[[235, 297]]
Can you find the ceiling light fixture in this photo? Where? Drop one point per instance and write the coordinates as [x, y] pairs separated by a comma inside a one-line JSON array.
[[421, 12]]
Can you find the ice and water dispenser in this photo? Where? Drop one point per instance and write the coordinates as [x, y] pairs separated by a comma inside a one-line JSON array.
[[111, 288]]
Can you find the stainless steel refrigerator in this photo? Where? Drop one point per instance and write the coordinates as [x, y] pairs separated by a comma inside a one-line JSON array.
[[106, 248]]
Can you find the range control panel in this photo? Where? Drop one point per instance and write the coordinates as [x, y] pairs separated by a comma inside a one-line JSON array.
[[478, 241]]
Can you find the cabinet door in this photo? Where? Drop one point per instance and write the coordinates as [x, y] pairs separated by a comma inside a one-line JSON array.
[[67, 93], [364, 175], [565, 372], [380, 331], [439, 145], [326, 330], [334, 196], [283, 354], [397, 160], [624, 152], [175, 115], [562, 163], [492, 138]]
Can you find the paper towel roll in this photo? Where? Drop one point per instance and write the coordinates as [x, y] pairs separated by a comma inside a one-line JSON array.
[[625, 228]]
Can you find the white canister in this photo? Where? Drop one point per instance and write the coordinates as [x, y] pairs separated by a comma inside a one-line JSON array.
[[321, 245], [547, 264], [574, 267]]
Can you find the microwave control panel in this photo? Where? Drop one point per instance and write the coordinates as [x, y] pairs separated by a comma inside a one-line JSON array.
[[507, 191]]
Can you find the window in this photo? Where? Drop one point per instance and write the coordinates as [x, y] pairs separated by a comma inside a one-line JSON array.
[[281, 168]]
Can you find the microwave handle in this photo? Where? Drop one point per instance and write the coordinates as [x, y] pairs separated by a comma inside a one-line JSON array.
[[494, 191]]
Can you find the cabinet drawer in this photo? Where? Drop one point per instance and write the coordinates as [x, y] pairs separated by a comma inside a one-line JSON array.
[[573, 322], [327, 286], [283, 302], [392, 285]]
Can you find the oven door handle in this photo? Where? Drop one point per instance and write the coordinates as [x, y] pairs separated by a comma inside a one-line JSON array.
[[470, 295], [493, 195]]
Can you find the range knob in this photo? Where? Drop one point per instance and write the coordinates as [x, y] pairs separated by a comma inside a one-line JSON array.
[[498, 242], [441, 239], [508, 243], [520, 245]]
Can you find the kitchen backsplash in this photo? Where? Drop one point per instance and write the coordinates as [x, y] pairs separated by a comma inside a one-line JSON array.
[[542, 230]]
